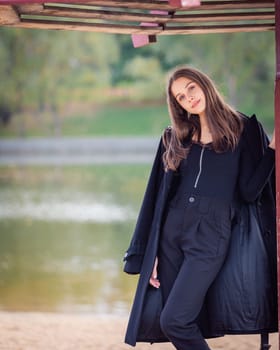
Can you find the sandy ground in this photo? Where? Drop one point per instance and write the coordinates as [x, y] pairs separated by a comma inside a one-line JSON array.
[[46, 331]]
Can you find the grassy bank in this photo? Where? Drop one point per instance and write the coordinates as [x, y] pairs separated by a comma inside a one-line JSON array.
[[103, 120], [91, 121]]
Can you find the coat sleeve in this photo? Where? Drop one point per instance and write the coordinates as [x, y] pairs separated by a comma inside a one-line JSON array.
[[255, 170], [134, 255]]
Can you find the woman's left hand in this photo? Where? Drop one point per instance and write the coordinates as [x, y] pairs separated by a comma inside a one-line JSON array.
[[272, 142], [154, 278]]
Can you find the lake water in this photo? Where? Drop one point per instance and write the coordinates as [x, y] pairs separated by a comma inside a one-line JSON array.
[[63, 234]]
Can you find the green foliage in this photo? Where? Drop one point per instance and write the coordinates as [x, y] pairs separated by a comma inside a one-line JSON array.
[[121, 120], [49, 71]]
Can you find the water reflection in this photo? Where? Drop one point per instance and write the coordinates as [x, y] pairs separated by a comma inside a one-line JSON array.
[[70, 206], [61, 244]]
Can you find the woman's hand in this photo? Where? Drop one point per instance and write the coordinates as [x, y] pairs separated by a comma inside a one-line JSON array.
[[272, 142], [154, 280]]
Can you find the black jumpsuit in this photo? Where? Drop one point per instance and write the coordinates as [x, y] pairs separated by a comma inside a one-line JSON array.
[[195, 237]]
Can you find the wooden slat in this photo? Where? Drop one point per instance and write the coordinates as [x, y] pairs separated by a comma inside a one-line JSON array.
[[91, 27], [16, 2], [224, 17], [139, 17], [37, 8], [217, 29], [94, 14], [133, 4], [145, 4], [157, 4], [8, 15], [205, 5], [146, 30]]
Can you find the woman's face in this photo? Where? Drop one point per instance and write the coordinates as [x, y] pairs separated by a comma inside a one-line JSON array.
[[189, 95]]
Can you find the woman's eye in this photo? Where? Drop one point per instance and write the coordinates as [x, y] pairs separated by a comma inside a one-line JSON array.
[[191, 87], [181, 98]]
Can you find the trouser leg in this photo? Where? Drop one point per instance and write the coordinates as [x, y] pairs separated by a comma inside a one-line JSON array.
[[182, 307], [192, 250]]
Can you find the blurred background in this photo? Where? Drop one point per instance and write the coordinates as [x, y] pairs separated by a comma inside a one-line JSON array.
[[80, 118]]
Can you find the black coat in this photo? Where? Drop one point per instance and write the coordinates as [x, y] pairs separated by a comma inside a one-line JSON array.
[[243, 298]]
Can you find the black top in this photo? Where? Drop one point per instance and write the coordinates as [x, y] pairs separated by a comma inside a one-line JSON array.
[[223, 175]]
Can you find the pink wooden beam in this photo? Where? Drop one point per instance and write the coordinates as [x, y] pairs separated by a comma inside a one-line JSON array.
[[277, 139], [139, 40], [184, 3]]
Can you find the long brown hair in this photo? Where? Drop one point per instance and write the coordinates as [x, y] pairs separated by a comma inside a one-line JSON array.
[[224, 122]]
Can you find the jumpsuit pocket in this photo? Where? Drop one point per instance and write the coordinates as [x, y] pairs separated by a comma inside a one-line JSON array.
[[206, 238]]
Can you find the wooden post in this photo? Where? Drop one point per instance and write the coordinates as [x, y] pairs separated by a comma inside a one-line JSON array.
[[8, 15], [277, 137]]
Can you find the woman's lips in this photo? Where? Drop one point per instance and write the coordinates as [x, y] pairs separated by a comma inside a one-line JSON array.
[[195, 103]]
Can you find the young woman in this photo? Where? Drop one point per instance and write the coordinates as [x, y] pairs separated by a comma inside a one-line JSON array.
[[209, 162]]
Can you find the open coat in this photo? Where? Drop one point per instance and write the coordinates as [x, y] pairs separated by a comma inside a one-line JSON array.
[[243, 298]]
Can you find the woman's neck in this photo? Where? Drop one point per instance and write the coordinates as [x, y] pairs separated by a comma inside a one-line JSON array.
[[205, 136], [203, 121]]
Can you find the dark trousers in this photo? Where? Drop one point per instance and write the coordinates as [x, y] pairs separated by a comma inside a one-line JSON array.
[[192, 250]]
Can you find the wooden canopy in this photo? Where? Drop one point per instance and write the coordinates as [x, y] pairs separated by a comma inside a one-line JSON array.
[[148, 18]]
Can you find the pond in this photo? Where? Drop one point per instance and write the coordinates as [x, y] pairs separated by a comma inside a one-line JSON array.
[[63, 234]]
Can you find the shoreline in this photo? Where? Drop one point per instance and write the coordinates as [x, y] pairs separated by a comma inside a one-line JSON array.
[[63, 331]]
